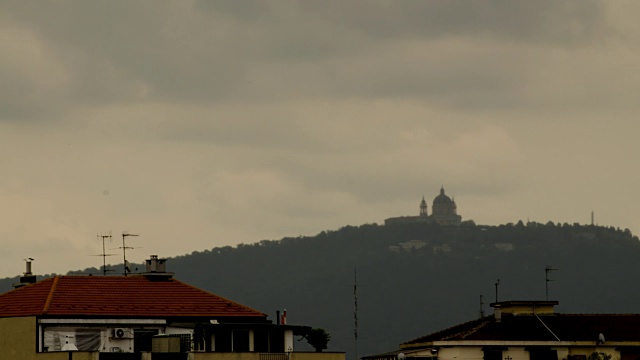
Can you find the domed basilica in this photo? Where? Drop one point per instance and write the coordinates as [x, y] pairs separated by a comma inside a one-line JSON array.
[[444, 212]]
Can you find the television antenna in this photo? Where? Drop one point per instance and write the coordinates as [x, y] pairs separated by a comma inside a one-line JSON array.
[[496, 285], [546, 279], [104, 252], [124, 248], [481, 306]]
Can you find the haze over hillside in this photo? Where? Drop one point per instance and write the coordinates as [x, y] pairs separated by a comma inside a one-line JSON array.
[[417, 278]]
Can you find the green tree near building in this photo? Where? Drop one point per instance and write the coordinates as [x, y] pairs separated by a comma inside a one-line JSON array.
[[318, 338]]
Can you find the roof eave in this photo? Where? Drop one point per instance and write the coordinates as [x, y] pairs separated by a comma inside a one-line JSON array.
[[471, 343]]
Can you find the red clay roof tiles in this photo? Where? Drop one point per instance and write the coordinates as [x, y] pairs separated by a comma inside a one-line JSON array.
[[117, 296]]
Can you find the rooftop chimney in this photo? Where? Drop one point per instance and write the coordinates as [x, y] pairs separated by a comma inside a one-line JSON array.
[[157, 268], [28, 277]]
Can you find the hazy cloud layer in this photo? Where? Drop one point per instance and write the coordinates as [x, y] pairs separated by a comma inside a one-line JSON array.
[[206, 123]]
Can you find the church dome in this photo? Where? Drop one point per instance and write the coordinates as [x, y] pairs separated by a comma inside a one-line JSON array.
[[442, 198]]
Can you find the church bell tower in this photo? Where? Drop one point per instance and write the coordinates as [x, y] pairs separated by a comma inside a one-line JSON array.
[[423, 207]]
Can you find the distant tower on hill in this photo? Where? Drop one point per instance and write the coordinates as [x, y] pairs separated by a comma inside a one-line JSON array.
[[444, 211], [423, 207]]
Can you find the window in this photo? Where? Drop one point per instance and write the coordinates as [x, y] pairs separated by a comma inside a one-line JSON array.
[[261, 341], [276, 341], [240, 340], [543, 354], [88, 339], [223, 341], [143, 339], [491, 354], [186, 343]]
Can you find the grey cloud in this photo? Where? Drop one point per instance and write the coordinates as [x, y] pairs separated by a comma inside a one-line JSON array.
[[532, 21], [370, 166], [245, 10], [123, 51], [461, 54]]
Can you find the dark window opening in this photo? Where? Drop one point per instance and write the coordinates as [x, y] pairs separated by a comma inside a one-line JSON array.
[[261, 341], [142, 339], [223, 341], [185, 342], [276, 342], [240, 340], [543, 354], [493, 355]]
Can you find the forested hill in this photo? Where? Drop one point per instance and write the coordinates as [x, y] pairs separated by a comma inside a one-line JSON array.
[[417, 278]]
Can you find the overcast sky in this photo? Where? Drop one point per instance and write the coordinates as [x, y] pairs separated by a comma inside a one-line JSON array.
[[198, 124]]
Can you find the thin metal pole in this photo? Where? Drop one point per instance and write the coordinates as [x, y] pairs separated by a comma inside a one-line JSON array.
[[124, 254], [104, 258], [124, 250], [104, 254], [546, 279], [355, 309]]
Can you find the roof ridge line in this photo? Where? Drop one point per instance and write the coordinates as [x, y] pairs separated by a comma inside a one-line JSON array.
[[469, 332], [221, 297], [441, 334], [50, 296]]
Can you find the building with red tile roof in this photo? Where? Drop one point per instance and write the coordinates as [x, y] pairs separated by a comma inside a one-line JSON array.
[[121, 297], [133, 314], [529, 330]]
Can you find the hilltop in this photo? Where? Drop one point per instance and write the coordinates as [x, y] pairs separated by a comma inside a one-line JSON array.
[[415, 278]]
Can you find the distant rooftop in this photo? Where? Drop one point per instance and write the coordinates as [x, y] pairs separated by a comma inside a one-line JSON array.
[[536, 321]]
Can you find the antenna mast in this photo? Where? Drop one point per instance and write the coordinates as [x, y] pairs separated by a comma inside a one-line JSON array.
[[355, 308], [124, 251], [546, 279], [104, 252], [496, 285], [481, 306]]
